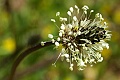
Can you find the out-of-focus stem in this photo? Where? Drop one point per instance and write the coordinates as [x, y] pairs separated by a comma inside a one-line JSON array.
[[24, 54]]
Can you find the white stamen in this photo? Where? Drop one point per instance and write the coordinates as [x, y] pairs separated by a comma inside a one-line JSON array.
[[57, 44], [69, 13], [92, 11], [75, 18], [60, 34], [50, 35], [58, 14], [62, 26], [58, 39], [70, 26], [43, 43], [76, 6], [71, 9], [53, 40], [66, 55], [53, 20]]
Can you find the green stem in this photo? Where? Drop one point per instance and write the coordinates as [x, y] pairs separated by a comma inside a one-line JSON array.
[[24, 54]]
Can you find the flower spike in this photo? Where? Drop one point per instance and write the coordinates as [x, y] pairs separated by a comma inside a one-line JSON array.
[[82, 38]]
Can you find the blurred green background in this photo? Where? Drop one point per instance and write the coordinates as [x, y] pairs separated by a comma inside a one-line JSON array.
[[24, 23]]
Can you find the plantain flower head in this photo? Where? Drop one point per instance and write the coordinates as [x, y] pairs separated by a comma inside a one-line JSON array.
[[82, 38]]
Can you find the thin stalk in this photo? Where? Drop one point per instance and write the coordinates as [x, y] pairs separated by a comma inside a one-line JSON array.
[[24, 54]]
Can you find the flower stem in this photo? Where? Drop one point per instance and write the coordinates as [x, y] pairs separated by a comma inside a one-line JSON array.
[[24, 54]]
